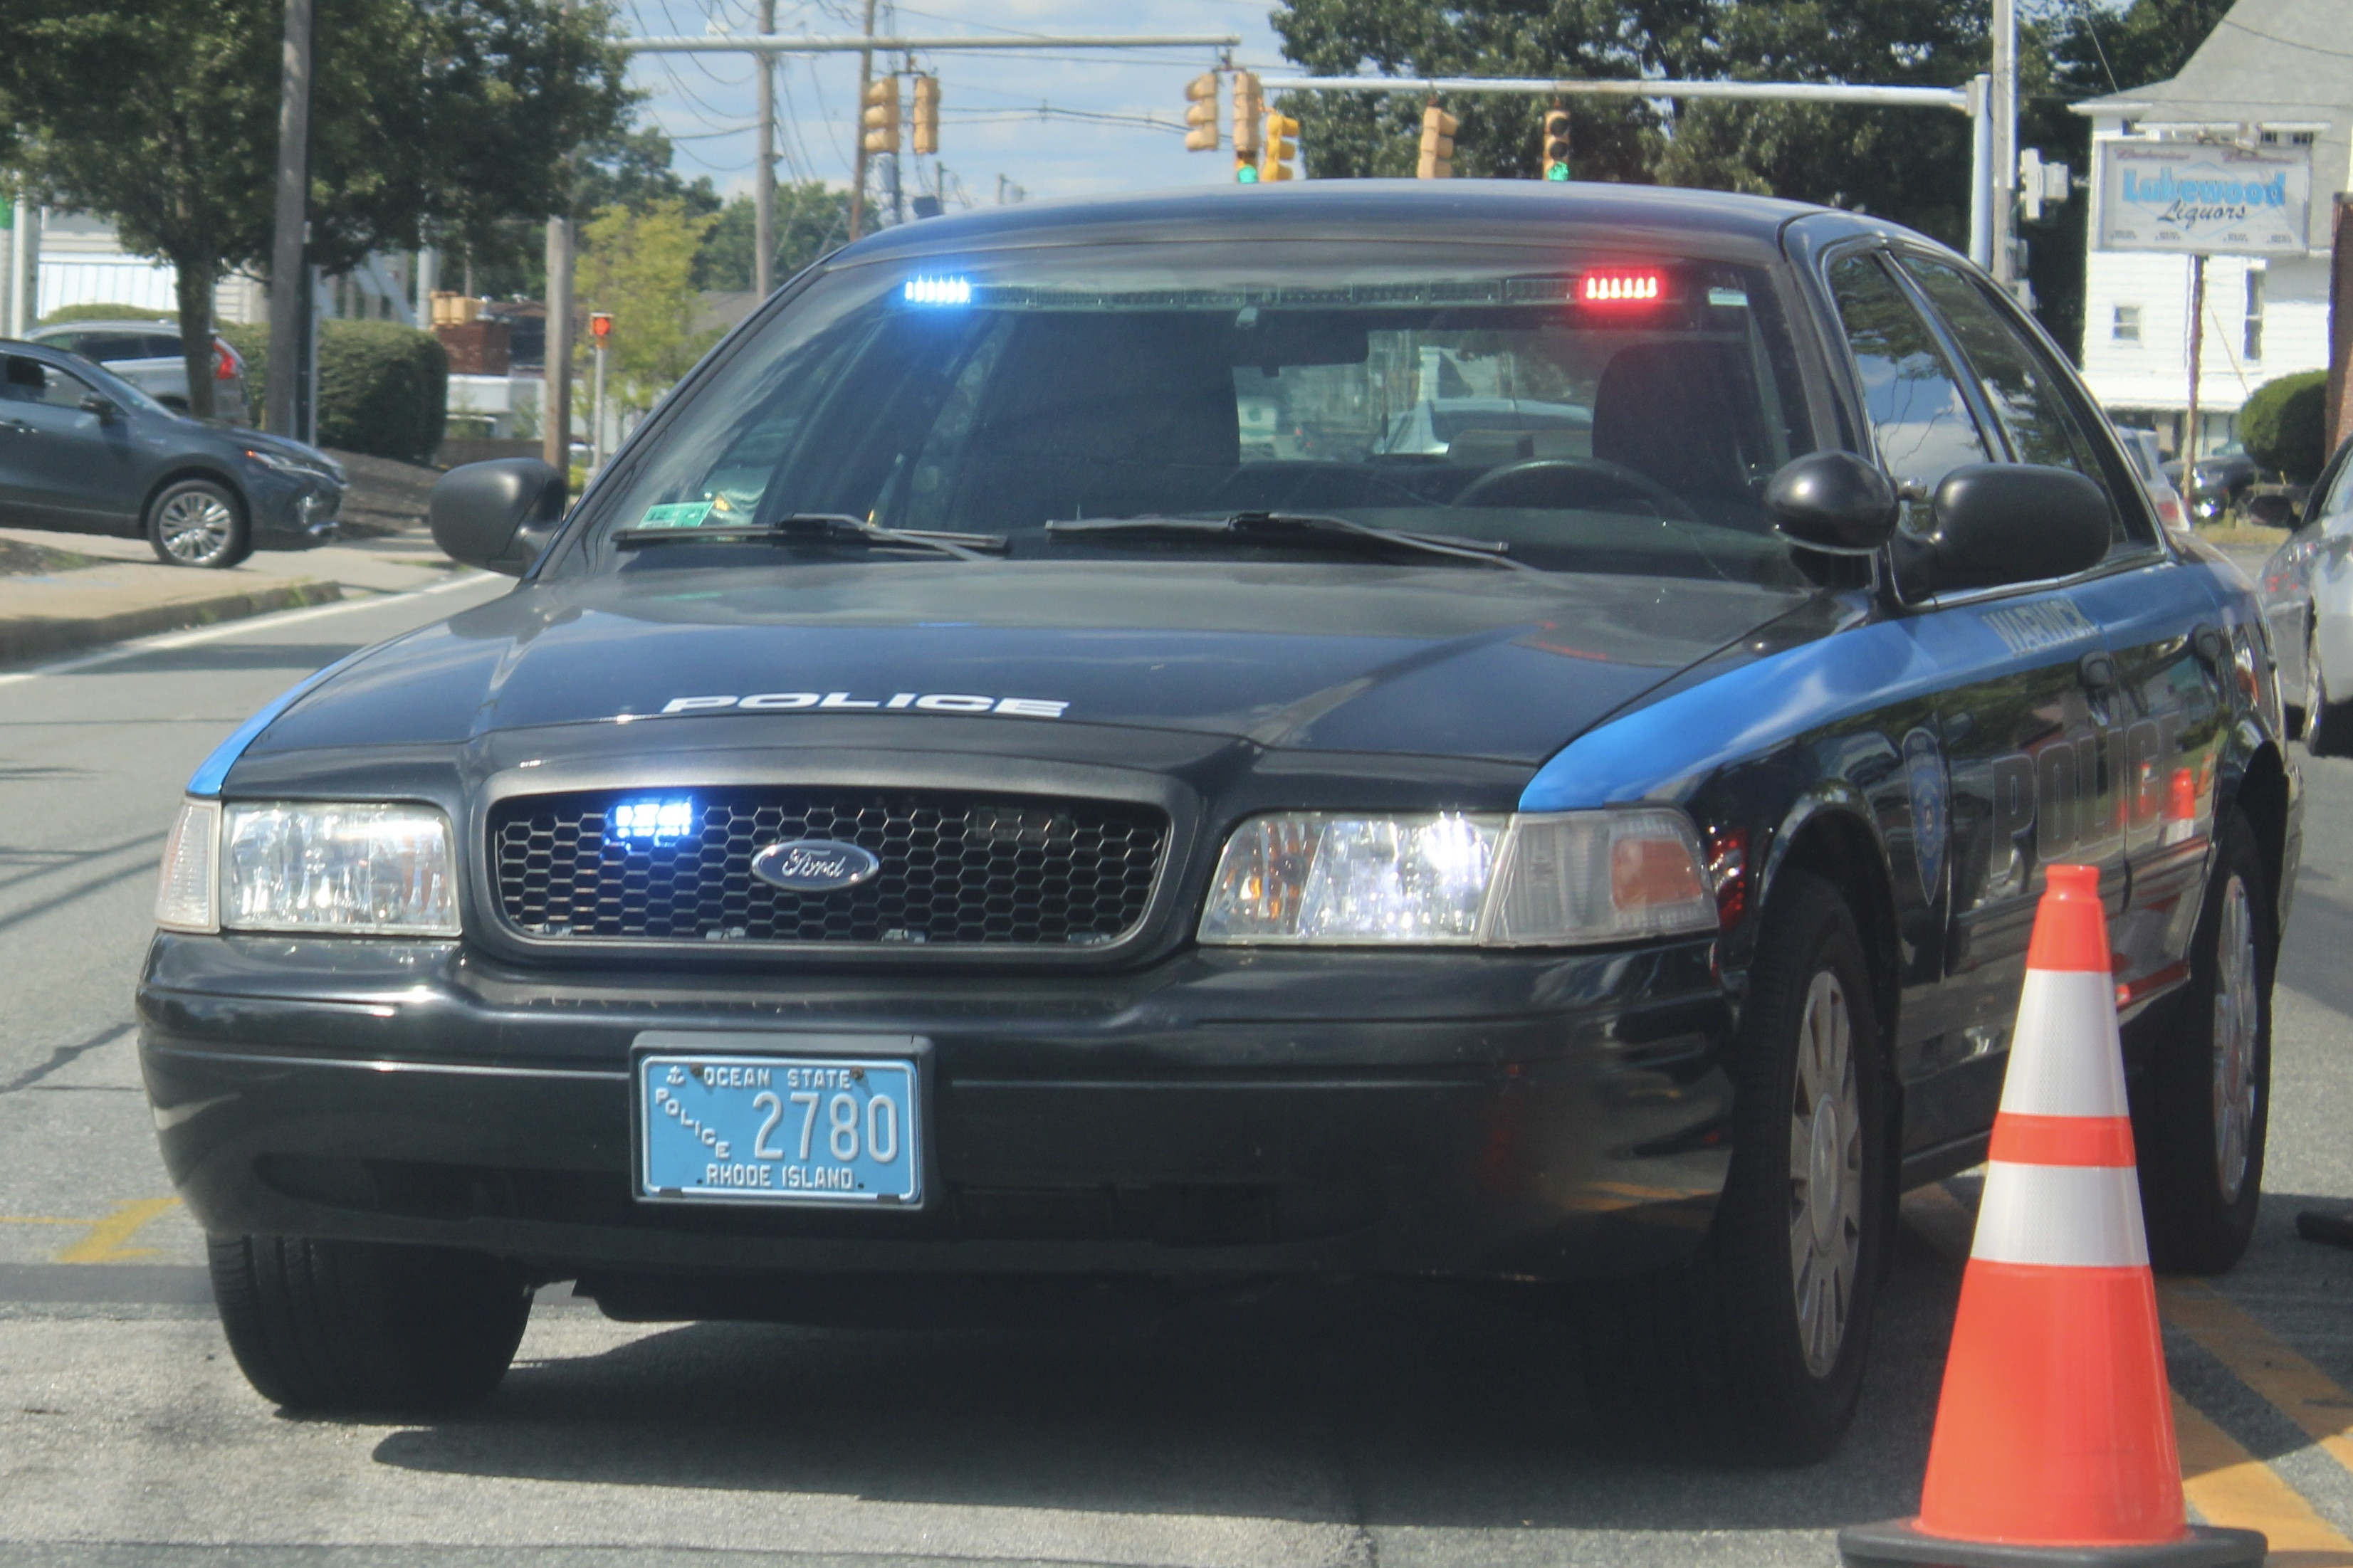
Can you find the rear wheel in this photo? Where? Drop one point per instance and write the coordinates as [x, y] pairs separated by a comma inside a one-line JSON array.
[[196, 522], [347, 1325], [2328, 726], [2202, 1109], [1755, 1350]]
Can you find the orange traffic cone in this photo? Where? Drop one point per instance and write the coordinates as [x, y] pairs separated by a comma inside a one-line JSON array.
[[2055, 1432]]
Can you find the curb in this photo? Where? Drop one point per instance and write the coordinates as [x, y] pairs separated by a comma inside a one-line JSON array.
[[32, 637]]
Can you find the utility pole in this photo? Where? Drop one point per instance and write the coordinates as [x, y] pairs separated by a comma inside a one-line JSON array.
[[2196, 370], [555, 423], [764, 172], [2338, 405], [2004, 143], [24, 255], [290, 281], [857, 171]]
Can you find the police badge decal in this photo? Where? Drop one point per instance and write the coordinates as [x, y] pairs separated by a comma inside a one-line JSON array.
[[1923, 773]]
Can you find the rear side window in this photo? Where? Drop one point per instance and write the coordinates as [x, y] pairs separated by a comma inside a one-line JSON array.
[[108, 347], [161, 348], [1918, 414]]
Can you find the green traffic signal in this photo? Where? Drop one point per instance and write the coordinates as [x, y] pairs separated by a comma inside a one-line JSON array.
[[1245, 175], [1557, 171]]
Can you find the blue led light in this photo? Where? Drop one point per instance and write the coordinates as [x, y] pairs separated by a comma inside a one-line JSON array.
[[654, 821], [938, 291]]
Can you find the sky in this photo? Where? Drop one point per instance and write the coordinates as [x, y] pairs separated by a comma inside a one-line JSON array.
[[990, 126]]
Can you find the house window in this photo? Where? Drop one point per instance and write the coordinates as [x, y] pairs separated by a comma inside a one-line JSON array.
[[2254, 338], [2126, 326]]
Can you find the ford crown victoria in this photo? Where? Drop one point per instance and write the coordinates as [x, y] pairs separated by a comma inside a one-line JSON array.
[[945, 811]]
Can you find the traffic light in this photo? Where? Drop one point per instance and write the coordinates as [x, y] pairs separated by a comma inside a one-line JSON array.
[[600, 327], [1556, 145], [1282, 147], [1437, 145], [928, 114], [881, 116], [1250, 108], [1201, 114]]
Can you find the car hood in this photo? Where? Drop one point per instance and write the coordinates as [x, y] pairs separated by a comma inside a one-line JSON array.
[[1444, 660]]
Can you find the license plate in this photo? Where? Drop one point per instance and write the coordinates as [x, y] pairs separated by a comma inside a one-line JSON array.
[[778, 1128]]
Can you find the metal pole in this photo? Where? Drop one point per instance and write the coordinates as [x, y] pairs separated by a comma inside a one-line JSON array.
[[1951, 98], [1981, 170], [311, 335], [24, 250], [857, 124], [555, 434], [429, 283], [2197, 368], [289, 299], [868, 42], [763, 179], [2005, 140], [596, 430]]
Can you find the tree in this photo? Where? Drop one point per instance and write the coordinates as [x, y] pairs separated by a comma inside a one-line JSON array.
[[163, 117], [640, 265], [811, 219]]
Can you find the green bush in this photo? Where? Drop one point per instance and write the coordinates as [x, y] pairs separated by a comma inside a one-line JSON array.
[[384, 388], [58, 318], [2280, 426]]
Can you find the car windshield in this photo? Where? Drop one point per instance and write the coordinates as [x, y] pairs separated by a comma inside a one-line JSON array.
[[1594, 412]]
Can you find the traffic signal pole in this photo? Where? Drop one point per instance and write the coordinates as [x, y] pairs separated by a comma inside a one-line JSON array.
[[858, 159], [763, 181]]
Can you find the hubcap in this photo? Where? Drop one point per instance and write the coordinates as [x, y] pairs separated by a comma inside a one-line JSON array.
[[2236, 1021], [196, 527], [1825, 1174]]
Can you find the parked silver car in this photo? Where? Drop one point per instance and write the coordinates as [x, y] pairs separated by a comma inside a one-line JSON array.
[[147, 354], [2307, 594], [2148, 462]]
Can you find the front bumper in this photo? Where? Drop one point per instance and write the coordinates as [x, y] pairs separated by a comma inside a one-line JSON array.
[[1481, 1115], [294, 510]]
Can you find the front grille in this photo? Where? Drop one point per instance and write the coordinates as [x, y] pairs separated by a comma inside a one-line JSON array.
[[961, 869]]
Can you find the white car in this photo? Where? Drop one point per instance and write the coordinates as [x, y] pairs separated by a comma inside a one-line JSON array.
[[2148, 462], [147, 354]]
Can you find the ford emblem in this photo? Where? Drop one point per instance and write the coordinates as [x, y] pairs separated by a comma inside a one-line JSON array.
[[813, 865]]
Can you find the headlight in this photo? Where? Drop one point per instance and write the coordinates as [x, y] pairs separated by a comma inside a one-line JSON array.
[[1460, 879], [285, 463], [355, 869]]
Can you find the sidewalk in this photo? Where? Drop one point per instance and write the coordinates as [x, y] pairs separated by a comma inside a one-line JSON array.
[[129, 594]]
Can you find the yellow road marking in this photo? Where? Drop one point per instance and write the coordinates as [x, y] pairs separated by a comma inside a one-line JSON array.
[[2229, 1485], [37, 1219], [2299, 1389], [103, 1243]]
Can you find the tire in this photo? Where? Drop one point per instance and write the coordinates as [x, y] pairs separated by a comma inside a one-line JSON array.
[[2328, 726], [196, 522], [357, 1326], [1717, 1356], [2202, 1108]]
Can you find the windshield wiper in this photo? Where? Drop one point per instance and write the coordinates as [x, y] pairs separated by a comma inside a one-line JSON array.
[[823, 528], [1296, 527]]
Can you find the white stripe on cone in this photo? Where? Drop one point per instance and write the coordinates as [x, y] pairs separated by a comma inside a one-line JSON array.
[[2084, 1217], [2063, 1058]]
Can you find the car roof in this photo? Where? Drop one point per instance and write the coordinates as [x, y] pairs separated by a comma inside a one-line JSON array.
[[1511, 211], [160, 328]]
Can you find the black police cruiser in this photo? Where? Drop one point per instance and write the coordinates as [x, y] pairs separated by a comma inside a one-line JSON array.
[[1504, 731]]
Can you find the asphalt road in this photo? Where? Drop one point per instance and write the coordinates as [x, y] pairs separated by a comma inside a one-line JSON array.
[[1393, 1426]]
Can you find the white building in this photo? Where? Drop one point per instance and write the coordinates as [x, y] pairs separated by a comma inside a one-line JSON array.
[[81, 261], [2275, 73]]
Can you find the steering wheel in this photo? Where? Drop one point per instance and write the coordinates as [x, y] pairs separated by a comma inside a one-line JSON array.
[[1573, 482]]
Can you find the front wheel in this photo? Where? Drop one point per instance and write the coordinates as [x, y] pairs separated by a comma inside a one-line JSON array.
[[2202, 1109], [1755, 1350], [359, 1326], [196, 522]]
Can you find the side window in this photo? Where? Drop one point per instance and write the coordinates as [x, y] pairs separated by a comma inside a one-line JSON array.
[[1918, 415], [2019, 381], [34, 381], [2339, 503]]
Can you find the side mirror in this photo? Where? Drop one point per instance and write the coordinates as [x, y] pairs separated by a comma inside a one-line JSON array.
[[497, 515], [2007, 523], [91, 403], [1835, 502]]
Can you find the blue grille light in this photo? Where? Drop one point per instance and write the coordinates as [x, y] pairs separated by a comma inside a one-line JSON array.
[[659, 821], [938, 291]]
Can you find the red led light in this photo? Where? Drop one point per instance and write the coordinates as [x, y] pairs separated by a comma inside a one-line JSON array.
[[1621, 288]]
